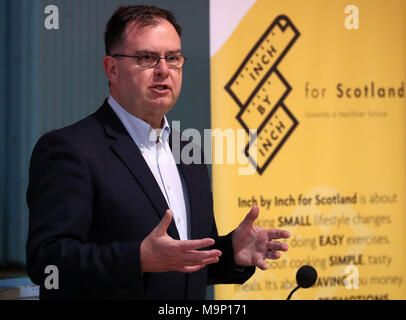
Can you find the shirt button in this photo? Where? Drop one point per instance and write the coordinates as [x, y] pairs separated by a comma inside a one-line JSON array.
[[179, 220]]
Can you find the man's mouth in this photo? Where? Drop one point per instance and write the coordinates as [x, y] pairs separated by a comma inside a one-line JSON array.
[[162, 87]]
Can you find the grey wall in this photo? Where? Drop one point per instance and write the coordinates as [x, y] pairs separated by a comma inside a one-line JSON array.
[[51, 78]]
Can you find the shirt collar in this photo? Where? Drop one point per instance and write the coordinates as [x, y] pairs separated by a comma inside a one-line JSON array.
[[140, 131]]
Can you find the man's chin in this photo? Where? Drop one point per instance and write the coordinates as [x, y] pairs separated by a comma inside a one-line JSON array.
[[163, 105]]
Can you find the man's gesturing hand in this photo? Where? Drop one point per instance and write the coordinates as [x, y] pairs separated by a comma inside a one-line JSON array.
[[252, 245], [161, 253]]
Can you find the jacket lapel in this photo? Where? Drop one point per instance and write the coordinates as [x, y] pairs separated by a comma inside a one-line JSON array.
[[126, 149], [184, 170]]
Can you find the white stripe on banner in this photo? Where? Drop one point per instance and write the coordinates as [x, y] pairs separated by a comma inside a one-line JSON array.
[[225, 15]]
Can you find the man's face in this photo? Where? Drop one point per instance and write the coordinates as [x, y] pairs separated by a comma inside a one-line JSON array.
[[148, 93]]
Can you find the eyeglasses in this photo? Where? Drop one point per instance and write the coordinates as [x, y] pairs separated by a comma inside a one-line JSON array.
[[151, 60]]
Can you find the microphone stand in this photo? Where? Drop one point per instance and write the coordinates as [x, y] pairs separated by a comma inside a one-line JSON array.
[[290, 294]]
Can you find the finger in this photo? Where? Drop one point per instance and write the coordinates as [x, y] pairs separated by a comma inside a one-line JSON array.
[[211, 261], [190, 269], [203, 261], [204, 254], [277, 246], [187, 245], [274, 255], [199, 257], [278, 234], [163, 225], [260, 263], [251, 217]]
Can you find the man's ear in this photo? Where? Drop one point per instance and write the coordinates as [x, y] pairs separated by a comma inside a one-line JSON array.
[[111, 68]]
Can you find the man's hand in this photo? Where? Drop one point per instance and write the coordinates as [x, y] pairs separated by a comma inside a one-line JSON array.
[[161, 253], [252, 245]]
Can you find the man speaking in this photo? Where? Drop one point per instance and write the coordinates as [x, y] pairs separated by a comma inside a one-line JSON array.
[[109, 205]]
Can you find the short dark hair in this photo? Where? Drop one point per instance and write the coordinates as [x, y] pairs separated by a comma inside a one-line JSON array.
[[145, 15]]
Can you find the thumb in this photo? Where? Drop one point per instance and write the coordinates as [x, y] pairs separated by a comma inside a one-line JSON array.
[[163, 225], [250, 217]]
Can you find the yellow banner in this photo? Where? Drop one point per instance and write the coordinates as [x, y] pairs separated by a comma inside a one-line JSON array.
[[322, 84]]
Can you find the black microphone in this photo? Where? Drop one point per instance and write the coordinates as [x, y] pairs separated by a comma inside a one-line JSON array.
[[306, 276]]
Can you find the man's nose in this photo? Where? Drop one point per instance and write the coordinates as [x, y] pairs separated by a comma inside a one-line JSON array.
[[161, 68]]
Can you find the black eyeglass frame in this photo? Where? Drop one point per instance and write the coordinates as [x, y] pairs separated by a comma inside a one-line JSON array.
[[157, 61]]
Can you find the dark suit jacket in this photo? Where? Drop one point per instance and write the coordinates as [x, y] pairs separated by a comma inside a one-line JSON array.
[[93, 199]]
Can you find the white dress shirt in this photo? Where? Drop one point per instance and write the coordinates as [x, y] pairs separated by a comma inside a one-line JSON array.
[[159, 158]]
